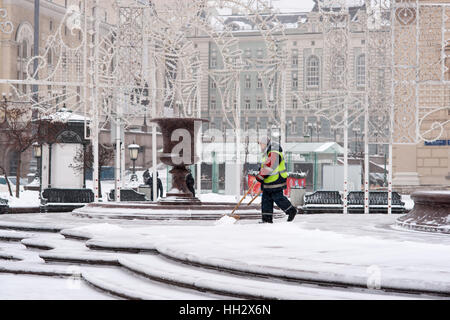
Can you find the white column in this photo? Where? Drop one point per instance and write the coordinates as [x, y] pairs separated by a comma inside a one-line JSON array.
[[238, 136], [283, 131], [152, 88], [95, 120], [344, 200], [199, 140], [122, 160], [390, 178], [366, 155], [117, 159]]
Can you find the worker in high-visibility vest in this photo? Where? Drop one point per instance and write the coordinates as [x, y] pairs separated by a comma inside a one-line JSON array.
[[273, 176]]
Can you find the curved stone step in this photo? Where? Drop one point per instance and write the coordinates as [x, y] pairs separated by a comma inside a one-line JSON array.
[[160, 269], [28, 227], [8, 256], [14, 236], [38, 269], [81, 257], [126, 285], [50, 243]]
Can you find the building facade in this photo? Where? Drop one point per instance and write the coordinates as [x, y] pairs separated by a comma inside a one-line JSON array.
[[16, 49]]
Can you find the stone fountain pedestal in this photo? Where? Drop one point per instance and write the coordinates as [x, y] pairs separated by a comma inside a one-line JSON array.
[[431, 212], [179, 140]]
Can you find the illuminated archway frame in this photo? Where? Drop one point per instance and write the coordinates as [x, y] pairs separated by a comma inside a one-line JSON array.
[[112, 66], [94, 73], [168, 40]]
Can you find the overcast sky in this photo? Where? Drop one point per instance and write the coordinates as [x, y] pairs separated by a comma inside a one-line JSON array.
[[293, 5]]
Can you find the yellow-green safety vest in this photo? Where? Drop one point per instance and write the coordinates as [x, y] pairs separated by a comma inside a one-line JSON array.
[[279, 170]]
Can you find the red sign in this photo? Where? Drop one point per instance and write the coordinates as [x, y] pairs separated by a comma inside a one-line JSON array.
[[291, 182]]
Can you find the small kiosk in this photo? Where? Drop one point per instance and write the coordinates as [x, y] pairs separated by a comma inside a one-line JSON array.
[[63, 185]]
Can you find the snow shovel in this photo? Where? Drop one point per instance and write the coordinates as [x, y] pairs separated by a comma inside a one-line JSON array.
[[254, 198], [239, 203]]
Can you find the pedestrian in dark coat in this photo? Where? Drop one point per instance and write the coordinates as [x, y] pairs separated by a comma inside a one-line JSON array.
[[159, 186], [146, 176], [190, 182]]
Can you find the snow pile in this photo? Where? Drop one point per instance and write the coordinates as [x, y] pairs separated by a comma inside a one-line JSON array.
[[225, 220], [409, 203], [101, 229], [27, 199]]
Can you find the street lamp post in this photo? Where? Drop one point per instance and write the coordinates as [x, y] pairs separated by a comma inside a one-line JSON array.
[[310, 126], [134, 151], [318, 129], [37, 148]]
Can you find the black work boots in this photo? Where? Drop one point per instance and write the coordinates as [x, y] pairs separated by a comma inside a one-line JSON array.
[[267, 218], [291, 212]]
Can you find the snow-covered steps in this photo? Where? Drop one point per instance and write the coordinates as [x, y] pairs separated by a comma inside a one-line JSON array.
[[118, 246], [11, 235], [29, 227], [82, 257], [31, 287], [124, 284], [160, 269], [39, 269], [158, 212], [50, 242], [8, 256]]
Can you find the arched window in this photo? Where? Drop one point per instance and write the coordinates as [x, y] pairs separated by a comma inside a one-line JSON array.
[[312, 72], [24, 49], [361, 70]]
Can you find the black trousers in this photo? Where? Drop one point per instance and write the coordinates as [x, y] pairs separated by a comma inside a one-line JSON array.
[[269, 196]]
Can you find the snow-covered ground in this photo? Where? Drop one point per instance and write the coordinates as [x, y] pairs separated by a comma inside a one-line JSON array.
[[364, 250], [26, 287], [27, 199]]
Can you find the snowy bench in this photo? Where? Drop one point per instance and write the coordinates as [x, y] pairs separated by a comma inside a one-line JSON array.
[[55, 200], [331, 202], [3, 206], [378, 202], [323, 202], [127, 195]]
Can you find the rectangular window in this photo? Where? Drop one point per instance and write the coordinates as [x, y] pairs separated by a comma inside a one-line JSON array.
[[213, 84], [312, 72], [294, 103], [213, 62], [212, 104], [247, 104], [259, 104], [51, 25], [78, 94], [294, 80], [248, 82], [295, 57], [361, 70], [259, 83]]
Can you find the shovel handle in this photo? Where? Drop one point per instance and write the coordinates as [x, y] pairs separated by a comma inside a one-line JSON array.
[[254, 198], [242, 199]]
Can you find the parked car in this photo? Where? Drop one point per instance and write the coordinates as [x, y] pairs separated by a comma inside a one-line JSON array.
[[4, 186], [12, 182]]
